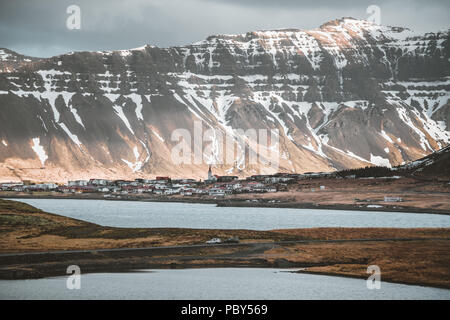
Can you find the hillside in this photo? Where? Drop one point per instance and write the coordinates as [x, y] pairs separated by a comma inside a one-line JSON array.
[[435, 165], [347, 94]]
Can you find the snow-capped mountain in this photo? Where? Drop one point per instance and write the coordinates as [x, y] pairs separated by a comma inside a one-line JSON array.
[[347, 94]]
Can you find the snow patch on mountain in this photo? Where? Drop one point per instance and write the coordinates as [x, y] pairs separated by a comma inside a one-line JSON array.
[[123, 117], [158, 136], [72, 136], [380, 161], [137, 165], [137, 99], [385, 136], [39, 150]]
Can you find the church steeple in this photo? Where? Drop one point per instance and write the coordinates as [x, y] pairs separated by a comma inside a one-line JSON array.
[[210, 176]]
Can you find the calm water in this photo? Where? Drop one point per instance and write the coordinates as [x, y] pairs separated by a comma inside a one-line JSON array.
[[223, 283], [187, 215]]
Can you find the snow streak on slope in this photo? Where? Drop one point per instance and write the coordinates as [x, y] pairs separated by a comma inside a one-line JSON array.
[[39, 150], [123, 117], [137, 164]]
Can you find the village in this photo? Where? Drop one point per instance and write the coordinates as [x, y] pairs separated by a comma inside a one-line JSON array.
[[214, 185]]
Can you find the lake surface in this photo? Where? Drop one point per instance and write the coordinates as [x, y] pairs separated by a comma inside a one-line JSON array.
[[140, 214], [223, 283]]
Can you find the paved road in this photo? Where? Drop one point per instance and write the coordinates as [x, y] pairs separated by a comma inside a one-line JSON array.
[[197, 246]]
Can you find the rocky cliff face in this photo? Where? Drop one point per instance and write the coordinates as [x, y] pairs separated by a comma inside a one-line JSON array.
[[347, 94]]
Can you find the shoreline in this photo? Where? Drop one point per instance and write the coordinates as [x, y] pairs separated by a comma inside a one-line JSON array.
[[36, 244], [244, 203], [147, 267], [339, 275], [45, 270]]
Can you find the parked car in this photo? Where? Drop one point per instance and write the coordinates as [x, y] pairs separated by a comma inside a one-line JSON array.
[[214, 241], [232, 240]]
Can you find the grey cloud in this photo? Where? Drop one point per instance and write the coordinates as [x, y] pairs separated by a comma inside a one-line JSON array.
[[38, 27]]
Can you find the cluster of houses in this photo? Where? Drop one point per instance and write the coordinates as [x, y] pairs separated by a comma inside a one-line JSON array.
[[214, 185], [28, 186]]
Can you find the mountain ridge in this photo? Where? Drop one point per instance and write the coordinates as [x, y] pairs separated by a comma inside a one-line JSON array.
[[347, 94]]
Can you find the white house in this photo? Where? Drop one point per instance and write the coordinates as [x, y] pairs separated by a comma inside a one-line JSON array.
[[78, 183], [218, 192], [392, 199]]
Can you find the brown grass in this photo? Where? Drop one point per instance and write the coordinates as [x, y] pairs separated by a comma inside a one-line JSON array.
[[415, 193], [425, 260], [418, 262], [25, 228]]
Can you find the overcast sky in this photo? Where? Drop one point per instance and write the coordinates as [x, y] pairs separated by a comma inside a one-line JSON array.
[[38, 27]]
